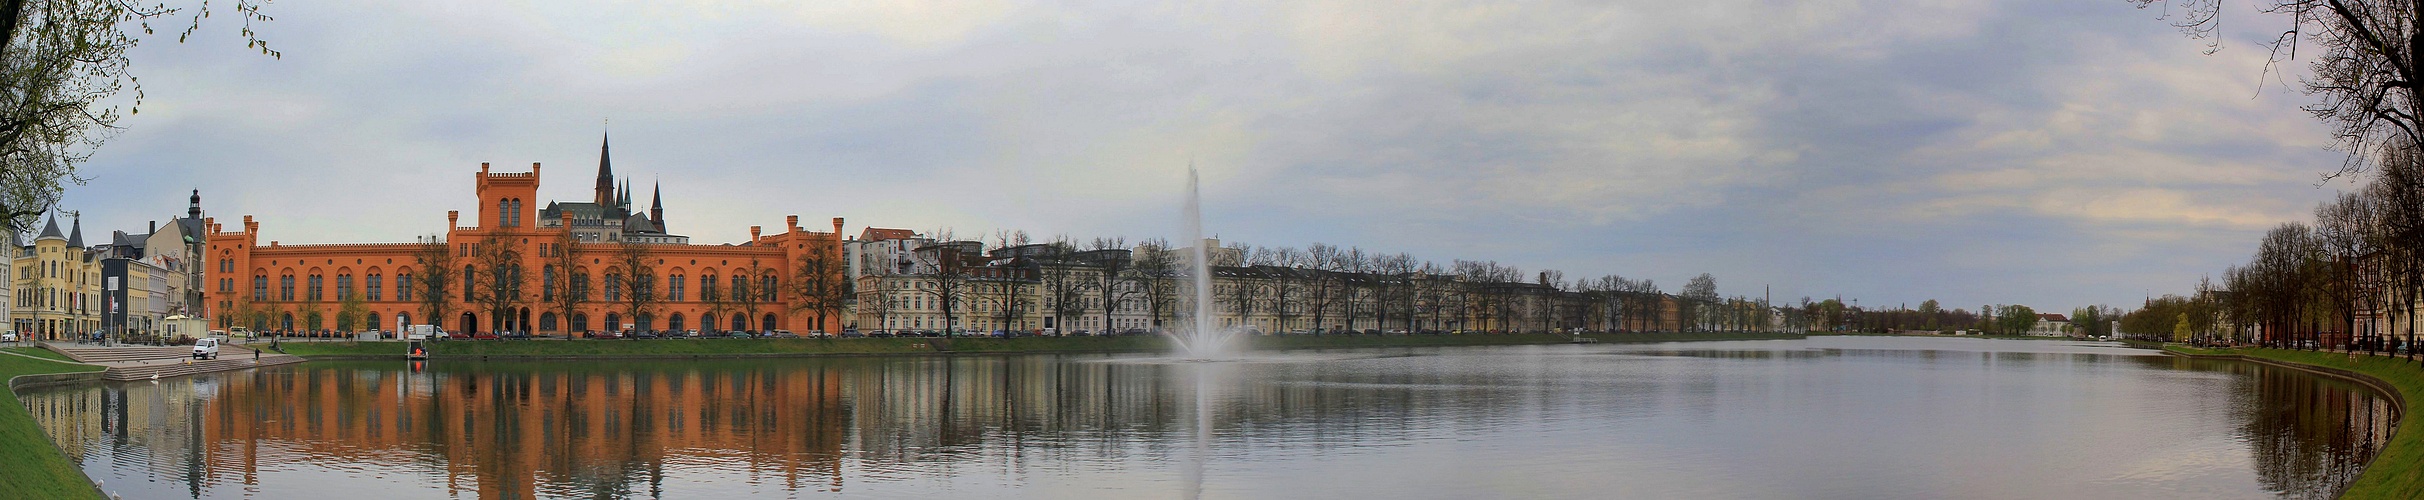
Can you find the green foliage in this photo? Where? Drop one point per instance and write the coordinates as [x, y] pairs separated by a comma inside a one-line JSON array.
[[2015, 320]]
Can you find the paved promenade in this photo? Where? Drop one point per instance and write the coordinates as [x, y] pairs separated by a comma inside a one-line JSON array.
[[149, 363]]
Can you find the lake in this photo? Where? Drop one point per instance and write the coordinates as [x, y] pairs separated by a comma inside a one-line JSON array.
[[1825, 417]]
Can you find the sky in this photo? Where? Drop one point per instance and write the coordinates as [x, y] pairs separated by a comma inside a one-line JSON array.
[[2051, 154]]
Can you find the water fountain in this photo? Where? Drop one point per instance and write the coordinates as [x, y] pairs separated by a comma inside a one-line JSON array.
[[1202, 341]]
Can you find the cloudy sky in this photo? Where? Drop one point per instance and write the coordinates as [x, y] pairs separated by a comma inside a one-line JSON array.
[[2053, 154]]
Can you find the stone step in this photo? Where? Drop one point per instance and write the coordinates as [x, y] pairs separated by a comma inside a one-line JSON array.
[[170, 370], [110, 354]]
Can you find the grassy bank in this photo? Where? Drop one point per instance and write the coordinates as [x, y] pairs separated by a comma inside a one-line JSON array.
[[2392, 475], [39, 353], [30, 465], [896, 346]]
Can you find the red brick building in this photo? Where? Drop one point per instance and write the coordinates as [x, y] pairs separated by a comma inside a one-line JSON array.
[[580, 252]]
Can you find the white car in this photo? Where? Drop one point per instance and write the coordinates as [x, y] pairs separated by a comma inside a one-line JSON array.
[[8, 337], [206, 349]]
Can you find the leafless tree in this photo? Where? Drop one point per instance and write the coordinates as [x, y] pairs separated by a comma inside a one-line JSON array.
[[496, 269]]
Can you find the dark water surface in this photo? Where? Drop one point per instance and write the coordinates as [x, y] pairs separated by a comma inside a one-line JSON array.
[[1828, 417]]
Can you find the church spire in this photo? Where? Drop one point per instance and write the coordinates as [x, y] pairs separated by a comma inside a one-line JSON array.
[[656, 205], [605, 192]]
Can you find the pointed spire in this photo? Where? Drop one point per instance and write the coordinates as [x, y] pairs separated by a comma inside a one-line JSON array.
[[656, 206], [51, 229], [605, 192], [75, 233], [193, 207]]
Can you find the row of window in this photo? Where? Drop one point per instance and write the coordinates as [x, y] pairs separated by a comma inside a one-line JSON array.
[[374, 288]]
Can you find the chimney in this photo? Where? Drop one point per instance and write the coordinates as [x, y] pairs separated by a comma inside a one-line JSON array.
[[837, 226], [451, 217], [155, 227], [753, 233], [793, 221]]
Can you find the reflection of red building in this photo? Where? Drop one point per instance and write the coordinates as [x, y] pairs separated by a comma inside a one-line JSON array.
[[513, 433], [277, 287]]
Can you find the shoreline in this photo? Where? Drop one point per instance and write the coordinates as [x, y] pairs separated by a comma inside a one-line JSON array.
[[36, 466], [2390, 475], [664, 349]]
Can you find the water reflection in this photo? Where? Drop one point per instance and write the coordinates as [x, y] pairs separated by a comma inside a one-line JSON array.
[[1834, 418]]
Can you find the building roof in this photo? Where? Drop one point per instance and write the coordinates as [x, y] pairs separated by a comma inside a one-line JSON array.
[[881, 234], [75, 232], [2052, 317], [51, 229]]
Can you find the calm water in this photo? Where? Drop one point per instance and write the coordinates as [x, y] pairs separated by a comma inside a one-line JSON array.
[[1827, 417]]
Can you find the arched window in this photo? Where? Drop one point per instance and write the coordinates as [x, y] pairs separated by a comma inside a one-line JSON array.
[[286, 288], [674, 322], [707, 322], [547, 284], [467, 286], [740, 322], [614, 322], [769, 322], [766, 288], [614, 288], [374, 289], [404, 317], [580, 322], [504, 213], [547, 322], [645, 322]]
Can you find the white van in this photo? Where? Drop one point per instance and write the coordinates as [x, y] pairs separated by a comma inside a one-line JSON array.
[[206, 349]]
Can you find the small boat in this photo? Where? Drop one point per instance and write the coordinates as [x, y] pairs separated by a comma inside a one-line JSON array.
[[414, 350]]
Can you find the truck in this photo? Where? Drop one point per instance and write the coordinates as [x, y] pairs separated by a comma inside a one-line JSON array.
[[422, 332]]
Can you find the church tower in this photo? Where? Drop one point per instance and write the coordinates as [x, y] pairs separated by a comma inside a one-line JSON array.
[[605, 193]]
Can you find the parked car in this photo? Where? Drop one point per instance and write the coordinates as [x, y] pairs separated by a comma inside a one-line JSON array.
[[739, 334], [206, 349], [782, 334], [8, 337]]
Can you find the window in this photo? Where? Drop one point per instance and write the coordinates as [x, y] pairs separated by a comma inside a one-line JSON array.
[[344, 286], [404, 286], [673, 291], [547, 284], [312, 293], [260, 288], [504, 216], [227, 265], [467, 285], [766, 288], [371, 285], [580, 287], [614, 289], [286, 288], [707, 288]]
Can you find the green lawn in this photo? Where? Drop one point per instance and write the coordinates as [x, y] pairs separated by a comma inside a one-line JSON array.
[[880, 346], [39, 353], [2392, 475], [30, 465]]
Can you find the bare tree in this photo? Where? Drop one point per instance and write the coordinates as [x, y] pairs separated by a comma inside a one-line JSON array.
[[2366, 81], [818, 281], [635, 284], [496, 267], [1064, 285], [433, 270], [1155, 266], [565, 285]]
